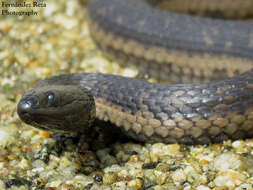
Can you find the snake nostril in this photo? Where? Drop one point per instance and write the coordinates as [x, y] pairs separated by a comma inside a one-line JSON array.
[[25, 105]]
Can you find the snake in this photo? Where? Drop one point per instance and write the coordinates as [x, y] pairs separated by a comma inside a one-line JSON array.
[[185, 49]]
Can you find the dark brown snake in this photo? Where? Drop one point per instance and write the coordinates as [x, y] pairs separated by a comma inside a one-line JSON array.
[[165, 45]]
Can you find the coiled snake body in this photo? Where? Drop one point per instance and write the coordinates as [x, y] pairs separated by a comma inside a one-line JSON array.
[[165, 45]]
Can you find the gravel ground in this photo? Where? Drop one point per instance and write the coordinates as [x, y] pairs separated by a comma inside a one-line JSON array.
[[57, 41]]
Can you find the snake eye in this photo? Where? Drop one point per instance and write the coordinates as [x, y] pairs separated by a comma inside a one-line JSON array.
[[51, 98]]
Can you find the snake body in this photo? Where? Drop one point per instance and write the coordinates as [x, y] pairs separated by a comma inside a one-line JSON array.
[[160, 43], [171, 46]]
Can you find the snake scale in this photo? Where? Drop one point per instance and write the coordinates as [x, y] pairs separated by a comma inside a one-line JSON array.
[[165, 45]]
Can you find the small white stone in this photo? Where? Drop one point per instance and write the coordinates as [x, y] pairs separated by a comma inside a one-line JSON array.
[[24, 164], [2, 185], [7, 135], [187, 188], [4, 54], [229, 178], [123, 173], [202, 187], [227, 161], [114, 168], [1, 165], [38, 164], [160, 149], [237, 144], [71, 7], [119, 185], [51, 8], [38, 170], [55, 183], [27, 134], [82, 179], [67, 22], [178, 176], [160, 176], [65, 162], [129, 72]]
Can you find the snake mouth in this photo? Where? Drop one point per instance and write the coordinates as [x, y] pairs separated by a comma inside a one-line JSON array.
[[26, 117], [42, 122], [40, 119]]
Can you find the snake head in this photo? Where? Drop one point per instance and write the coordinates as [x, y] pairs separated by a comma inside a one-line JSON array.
[[60, 108]]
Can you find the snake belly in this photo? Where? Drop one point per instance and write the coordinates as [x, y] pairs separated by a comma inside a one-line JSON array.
[[168, 45]]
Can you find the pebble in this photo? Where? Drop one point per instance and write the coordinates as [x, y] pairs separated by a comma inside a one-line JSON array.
[[229, 178], [202, 187], [229, 160], [8, 135], [159, 150]]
